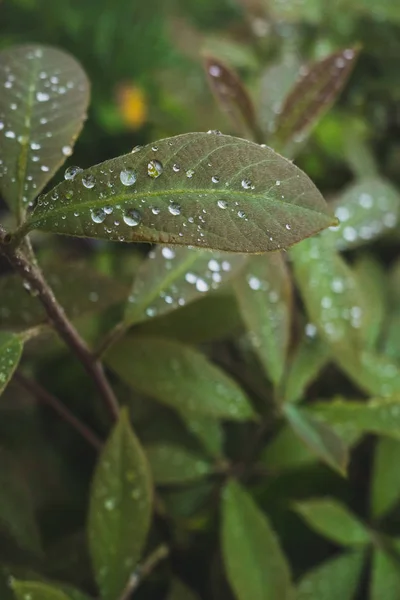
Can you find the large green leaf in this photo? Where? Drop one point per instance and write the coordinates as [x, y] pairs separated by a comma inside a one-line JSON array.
[[385, 580], [179, 376], [319, 438], [79, 288], [366, 210], [171, 463], [208, 431], [385, 491], [34, 590], [172, 277], [43, 104], [265, 297], [120, 510], [255, 564], [11, 347], [334, 521], [336, 578], [199, 189]]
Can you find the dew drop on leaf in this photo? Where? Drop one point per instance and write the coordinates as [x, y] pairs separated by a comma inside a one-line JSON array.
[[174, 208], [176, 168], [154, 168], [132, 217], [98, 215], [127, 177], [89, 181], [222, 204], [246, 184]]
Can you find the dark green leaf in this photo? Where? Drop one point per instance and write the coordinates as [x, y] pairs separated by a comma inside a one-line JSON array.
[[43, 104], [315, 91], [255, 564], [265, 297], [120, 510], [172, 277], [11, 347], [320, 438], [179, 376], [385, 491], [180, 591], [208, 431], [255, 200], [33, 590], [79, 288], [286, 451], [385, 583], [174, 464], [336, 578], [334, 521], [366, 210], [232, 97]]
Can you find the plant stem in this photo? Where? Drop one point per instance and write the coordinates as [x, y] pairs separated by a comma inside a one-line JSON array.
[[44, 396], [144, 570], [110, 338], [33, 276]]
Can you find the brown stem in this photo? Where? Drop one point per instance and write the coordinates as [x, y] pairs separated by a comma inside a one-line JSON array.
[[32, 275], [44, 396], [144, 570]]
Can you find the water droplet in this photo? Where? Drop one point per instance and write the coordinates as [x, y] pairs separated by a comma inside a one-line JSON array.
[[213, 265], [189, 173], [154, 169], [98, 215], [241, 214], [66, 150], [155, 210], [174, 209], [176, 168], [10, 135], [35, 146], [201, 285], [214, 131], [254, 283], [215, 70], [154, 148], [288, 227], [44, 168], [215, 179], [72, 172], [168, 253], [342, 213], [136, 149], [108, 210], [191, 278], [246, 184], [89, 181], [42, 97], [222, 204], [132, 217], [127, 177]]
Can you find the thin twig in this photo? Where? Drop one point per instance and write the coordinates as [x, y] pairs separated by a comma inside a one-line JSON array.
[[144, 570], [32, 275], [44, 396]]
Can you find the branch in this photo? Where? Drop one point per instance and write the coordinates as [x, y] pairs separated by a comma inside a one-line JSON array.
[[144, 570], [44, 396], [32, 274]]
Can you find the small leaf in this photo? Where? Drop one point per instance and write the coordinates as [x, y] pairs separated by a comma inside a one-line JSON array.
[[178, 376], [11, 347], [208, 431], [249, 194], [120, 510], [366, 210], [372, 279], [33, 590], [385, 583], [320, 438], [312, 95], [232, 97], [254, 561], [385, 492], [180, 591], [333, 520], [45, 94], [311, 356], [336, 578], [286, 451], [174, 464], [172, 277], [264, 293]]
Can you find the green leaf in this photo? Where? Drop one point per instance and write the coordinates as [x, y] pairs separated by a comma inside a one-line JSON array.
[[45, 94], [208, 431], [366, 210], [179, 376], [311, 356], [33, 590], [286, 451], [264, 293], [232, 97], [255, 193], [334, 521], [11, 347], [372, 279], [374, 373], [180, 591], [172, 277], [320, 438], [120, 510], [79, 288], [336, 578], [312, 95], [171, 463], [254, 561], [380, 416], [385, 581], [385, 491]]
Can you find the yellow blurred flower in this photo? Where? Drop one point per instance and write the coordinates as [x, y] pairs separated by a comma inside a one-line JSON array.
[[132, 105]]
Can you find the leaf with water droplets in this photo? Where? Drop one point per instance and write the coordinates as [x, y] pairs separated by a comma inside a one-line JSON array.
[[318, 437], [385, 580], [312, 95], [43, 102], [178, 376], [255, 564], [171, 277], [35, 590], [214, 191], [180, 591], [336, 578], [385, 491], [264, 293], [11, 347], [366, 210], [172, 464], [333, 520], [232, 97], [120, 510]]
